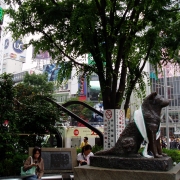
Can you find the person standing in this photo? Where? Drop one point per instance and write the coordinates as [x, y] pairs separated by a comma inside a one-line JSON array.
[[37, 161], [83, 157], [85, 142]]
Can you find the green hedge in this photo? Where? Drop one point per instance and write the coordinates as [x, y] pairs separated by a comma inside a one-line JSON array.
[[173, 153]]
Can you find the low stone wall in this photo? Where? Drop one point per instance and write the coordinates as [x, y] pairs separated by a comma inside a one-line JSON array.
[[97, 173]]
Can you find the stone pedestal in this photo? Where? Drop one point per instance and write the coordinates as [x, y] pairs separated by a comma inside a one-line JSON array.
[[97, 173], [141, 163]]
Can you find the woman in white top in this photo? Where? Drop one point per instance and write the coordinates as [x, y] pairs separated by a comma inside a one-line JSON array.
[[83, 157]]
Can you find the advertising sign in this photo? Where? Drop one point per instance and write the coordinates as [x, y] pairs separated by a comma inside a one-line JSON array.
[[82, 87], [18, 46], [41, 54], [52, 71], [1, 15], [14, 50], [82, 131]]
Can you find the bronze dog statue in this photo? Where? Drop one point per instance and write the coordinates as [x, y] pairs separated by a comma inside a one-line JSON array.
[[130, 140]]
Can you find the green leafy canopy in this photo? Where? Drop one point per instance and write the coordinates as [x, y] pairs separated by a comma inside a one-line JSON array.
[[122, 36]]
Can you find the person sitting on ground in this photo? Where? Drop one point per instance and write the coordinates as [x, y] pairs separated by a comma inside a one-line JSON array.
[[36, 161], [83, 157], [85, 142]]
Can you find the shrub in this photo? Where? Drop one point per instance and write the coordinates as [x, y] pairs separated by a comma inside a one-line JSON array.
[[173, 153], [96, 148], [11, 167]]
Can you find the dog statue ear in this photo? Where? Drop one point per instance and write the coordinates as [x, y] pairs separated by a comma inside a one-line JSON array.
[[152, 95]]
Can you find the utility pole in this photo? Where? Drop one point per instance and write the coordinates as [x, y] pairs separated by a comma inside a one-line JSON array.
[[166, 108]]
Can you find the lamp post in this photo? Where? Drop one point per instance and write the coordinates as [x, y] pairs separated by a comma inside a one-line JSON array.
[[166, 109]]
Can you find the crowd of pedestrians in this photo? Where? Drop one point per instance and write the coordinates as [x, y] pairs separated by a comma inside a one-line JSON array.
[[174, 143]]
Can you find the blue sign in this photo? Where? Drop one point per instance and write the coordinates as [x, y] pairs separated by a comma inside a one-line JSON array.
[[6, 44], [52, 71], [18, 46]]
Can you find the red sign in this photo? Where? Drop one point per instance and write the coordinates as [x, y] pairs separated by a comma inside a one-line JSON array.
[[76, 132], [108, 114]]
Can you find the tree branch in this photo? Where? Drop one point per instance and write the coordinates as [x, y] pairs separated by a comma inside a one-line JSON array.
[[54, 2]]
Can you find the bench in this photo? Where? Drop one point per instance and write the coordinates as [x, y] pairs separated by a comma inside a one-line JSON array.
[[10, 178], [45, 177], [72, 177], [58, 163], [56, 177], [52, 177]]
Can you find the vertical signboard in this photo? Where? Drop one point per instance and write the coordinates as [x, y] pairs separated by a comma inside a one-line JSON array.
[[109, 128], [82, 88], [1, 15], [114, 124], [120, 122]]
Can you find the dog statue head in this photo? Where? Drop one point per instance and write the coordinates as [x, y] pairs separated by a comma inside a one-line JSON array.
[[156, 100]]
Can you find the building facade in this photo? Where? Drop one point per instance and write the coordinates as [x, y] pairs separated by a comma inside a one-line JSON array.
[[166, 82]]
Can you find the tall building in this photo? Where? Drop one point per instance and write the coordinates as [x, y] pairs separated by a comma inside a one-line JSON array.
[[13, 56]]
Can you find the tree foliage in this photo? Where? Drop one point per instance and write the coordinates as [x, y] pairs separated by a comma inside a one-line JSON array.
[[122, 36], [36, 115], [8, 132], [29, 116], [80, 110]]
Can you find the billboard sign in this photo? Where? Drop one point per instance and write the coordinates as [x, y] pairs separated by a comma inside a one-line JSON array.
[[14, 50], [6, 44], [82, 86], [18, 46], [41, 54], [1, 15], [52, 71]]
